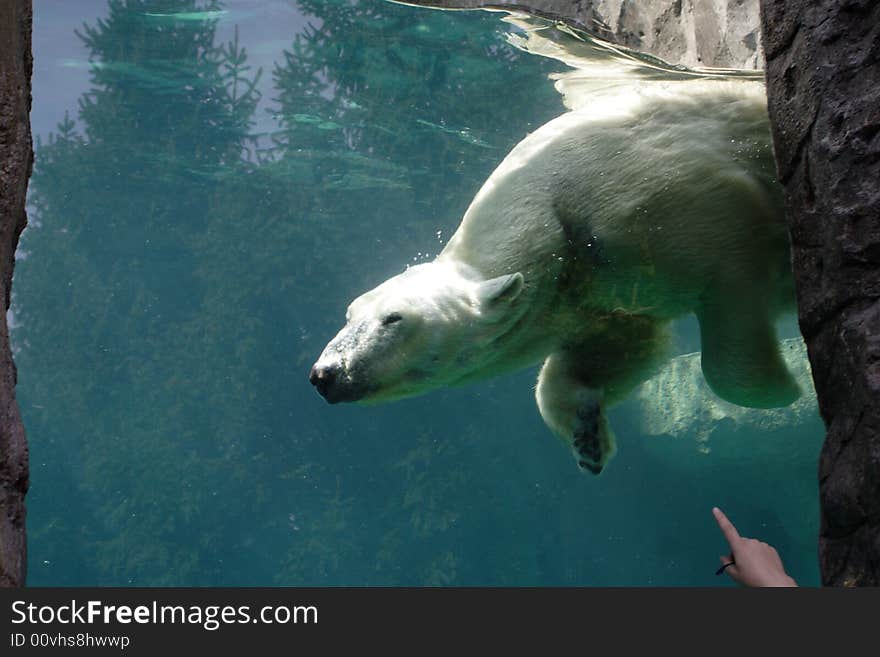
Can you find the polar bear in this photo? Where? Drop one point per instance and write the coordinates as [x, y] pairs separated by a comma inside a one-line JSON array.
[[648, 202]]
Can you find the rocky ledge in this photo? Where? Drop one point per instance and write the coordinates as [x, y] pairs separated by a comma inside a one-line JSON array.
[[16, 159]]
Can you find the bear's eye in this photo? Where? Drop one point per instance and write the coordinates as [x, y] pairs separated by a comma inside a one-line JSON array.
[[391, 318]]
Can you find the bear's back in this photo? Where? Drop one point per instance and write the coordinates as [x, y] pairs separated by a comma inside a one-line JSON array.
[[647, 185]]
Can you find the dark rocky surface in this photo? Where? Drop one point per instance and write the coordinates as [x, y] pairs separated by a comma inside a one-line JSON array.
[[16, 159], [823, 74], [723, 33]]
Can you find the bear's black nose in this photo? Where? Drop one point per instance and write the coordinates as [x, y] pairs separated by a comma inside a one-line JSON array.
[[323, 377]]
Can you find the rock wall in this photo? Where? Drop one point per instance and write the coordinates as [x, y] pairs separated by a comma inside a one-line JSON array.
[[16, 159], [823, 79], [724, 33]]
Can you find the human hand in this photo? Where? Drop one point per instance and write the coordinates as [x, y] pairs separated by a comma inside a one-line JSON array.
[[754, 563]]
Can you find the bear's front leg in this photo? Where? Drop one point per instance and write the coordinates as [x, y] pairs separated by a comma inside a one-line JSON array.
[[579, 381], [575, 412]]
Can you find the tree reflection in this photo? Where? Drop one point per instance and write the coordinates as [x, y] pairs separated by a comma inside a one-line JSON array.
[[182, 274], [111, 300]]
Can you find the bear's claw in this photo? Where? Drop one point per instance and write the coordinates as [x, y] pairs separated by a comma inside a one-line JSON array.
[[592, 467]]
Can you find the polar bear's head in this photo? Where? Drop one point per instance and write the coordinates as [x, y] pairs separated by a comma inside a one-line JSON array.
[[430, 326]]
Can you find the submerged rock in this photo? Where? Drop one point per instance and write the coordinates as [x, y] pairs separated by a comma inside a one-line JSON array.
[[678, 402]]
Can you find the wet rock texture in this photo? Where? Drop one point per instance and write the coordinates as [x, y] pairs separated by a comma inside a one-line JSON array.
[[723, 33], [823, 75], [16, 159], [677, 401]]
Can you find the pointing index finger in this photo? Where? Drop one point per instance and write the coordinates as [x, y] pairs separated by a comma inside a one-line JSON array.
[[726, 527]]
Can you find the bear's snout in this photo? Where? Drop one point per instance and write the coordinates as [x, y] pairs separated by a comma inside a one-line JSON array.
[[323, 377], [334, 383]]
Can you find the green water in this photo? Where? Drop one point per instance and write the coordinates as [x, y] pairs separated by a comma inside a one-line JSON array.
[[198, 224]]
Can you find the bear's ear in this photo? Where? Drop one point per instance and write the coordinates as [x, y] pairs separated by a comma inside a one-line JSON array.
[[504, 288]]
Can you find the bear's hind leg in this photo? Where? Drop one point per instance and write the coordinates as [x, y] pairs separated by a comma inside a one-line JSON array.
[[740, 351]]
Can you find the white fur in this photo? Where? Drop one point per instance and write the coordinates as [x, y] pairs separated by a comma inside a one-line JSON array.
[[650, 201]]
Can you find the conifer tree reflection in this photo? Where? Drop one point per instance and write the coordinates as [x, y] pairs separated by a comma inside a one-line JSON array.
[[111, 300]]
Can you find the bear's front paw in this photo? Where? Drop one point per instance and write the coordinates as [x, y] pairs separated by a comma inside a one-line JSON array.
[[593, 443]]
